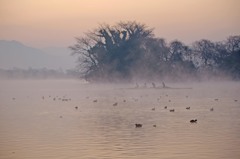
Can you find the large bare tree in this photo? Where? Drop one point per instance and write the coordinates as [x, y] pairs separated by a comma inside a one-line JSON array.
[[111, 51]]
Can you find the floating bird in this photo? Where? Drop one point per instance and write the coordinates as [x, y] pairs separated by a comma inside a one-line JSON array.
[[145, 85], [163, 84], [235, 100], [115, 104], [211, 109], [137, 86], [154, 125], [76, 107], [13, 98], [95, 100], [42, 97], [172, 110], [153, 109], [169, 100], [138, 125], [165, 107], [216, 99], [187, 108], [153, 84], [193, 121], [124, 100], [65, 100], [186, 96]]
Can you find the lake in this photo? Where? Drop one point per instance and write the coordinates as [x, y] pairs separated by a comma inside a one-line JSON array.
[[60, 119]]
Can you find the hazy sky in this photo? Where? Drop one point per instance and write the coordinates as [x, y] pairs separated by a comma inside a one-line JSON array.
[[43, 23]]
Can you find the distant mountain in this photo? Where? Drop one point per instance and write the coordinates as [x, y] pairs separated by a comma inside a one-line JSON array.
[[14, 54]]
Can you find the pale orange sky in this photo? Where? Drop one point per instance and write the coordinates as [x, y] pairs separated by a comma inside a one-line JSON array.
[[43, 23]]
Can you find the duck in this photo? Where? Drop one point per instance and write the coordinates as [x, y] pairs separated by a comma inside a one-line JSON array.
[[138, 125], [211, 109], [76, 107], [193, 121], [187, 108], [172, 110], [115, 104], [165, 107], [153, 109]]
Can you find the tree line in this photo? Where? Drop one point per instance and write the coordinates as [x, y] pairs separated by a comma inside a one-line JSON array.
[[130, 51]]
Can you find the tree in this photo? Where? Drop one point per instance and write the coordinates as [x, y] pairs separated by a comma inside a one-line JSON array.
[[233, 44], [204, 53], [230, 61], [111, 51]]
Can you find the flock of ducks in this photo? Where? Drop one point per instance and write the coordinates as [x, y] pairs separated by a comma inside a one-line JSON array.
[[137, 125]]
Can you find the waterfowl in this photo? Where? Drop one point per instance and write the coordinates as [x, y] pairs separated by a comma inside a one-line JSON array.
[[172, 110], [193, 121], [137, 86], [138, 125], [153, 109], [165, 107], [65, 100], [211, 109], [115, 104], [153, 84], [163, 85], [187, 108], [95, 100], [155, 125], [76, 107]]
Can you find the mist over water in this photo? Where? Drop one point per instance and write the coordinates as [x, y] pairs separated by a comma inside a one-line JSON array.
[[75, 119]]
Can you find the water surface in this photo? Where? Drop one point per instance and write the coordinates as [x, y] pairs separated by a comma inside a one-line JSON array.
[[36, 123]]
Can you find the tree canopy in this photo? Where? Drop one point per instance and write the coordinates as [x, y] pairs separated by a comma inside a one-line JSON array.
[[129, 50]]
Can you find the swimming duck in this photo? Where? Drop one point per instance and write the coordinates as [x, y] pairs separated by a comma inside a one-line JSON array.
[[138, 125], [193, 121]]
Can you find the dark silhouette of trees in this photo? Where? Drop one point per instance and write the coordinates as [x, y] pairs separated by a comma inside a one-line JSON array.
[[129, 50], [111, 51]]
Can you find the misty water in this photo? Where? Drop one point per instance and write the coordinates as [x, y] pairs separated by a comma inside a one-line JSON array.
[[72, 119]]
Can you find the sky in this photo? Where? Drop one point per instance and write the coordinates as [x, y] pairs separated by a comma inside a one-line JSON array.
[[55, 23]]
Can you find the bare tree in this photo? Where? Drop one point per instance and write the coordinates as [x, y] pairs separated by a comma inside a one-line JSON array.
[[233, 44], [110, 50]]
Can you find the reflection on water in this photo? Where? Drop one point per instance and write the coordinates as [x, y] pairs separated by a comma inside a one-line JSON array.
[[35, 127]]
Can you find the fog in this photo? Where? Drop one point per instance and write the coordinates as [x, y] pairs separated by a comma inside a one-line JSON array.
[[72, 118]]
